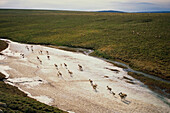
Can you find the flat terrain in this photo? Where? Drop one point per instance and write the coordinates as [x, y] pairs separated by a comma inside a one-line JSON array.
[[140, 40], [73, 91]]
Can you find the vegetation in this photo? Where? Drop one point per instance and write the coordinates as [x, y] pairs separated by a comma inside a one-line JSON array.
[[157, 86], [17, 101], [140, 40], [3, 46]]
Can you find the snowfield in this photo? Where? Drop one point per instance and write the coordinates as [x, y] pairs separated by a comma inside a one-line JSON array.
[[36, 74]]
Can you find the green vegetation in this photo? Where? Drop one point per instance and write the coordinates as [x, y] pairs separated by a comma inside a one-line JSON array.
[[3, 46], [17, 101], [160, 87], [140, 40]]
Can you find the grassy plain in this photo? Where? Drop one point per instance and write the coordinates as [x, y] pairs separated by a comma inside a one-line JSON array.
[[140, 40]]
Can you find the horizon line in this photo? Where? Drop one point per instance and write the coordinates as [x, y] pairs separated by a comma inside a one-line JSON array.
[[83, 10]]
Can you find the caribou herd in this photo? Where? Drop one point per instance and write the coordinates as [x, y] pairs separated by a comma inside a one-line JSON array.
[[80, 68], [94, 86]]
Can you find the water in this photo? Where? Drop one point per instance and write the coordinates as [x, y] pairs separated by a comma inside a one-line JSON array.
[[127, 68]]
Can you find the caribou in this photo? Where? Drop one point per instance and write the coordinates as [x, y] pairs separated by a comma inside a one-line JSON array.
[[48, 57], [71, 73], [122, 95], [59, 73], [112, 93], [47, 52], [56, 66], [80, 67], [91, 82], [22, 55], [108, 88], [94, 86], [65, 65], [38, 58], [40, 61], [27, 48], [40, 51], [32, 50]]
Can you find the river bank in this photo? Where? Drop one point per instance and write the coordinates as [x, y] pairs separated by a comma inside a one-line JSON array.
[[155, 83], [74, 92], [140, 40], [15, 99]]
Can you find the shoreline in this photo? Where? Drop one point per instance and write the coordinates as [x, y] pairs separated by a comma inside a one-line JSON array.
[[151, 79], [88, 51], [72, 49], [18, 91], [68, 81]]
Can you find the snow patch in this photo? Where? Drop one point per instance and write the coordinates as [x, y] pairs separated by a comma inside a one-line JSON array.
[[2, 57], [29, 82], [43, 99], [70, 112], [3, 70]]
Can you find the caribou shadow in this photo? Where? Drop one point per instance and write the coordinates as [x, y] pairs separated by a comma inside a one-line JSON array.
[[126, 101]]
